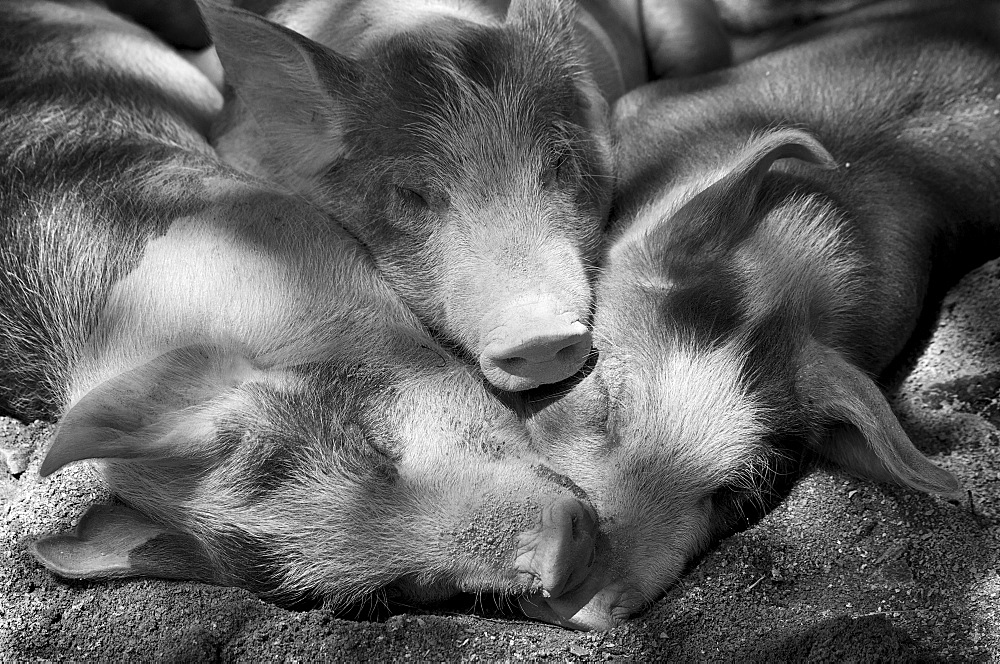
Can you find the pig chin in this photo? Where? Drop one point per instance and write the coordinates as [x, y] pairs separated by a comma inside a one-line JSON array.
[[531, 344]]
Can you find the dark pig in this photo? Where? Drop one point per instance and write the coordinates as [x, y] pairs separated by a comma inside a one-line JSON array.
[[756, 16], [464, 144], [269, 411], [779, 228]]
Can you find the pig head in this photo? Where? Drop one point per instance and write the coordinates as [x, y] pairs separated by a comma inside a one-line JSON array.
[[734, 328], [286, 482], [469, 159]]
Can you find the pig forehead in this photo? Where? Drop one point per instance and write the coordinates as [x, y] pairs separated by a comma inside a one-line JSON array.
[[687, 405], [308, 419], [480, 76]]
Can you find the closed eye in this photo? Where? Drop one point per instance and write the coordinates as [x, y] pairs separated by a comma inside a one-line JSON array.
[[554, 170], [413, 197]]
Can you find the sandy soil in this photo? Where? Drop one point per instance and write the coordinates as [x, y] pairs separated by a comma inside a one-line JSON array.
[[843, 571]]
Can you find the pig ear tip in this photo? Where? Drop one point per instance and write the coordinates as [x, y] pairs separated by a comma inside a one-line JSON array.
[[215, 7], [50, 464], [42, 549], [954, 491], [949, 487]]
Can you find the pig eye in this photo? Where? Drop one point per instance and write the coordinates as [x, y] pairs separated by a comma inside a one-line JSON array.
[[553, 170], [413, 198]]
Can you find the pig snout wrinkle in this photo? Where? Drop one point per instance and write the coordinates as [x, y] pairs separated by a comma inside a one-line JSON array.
[[560, 551], [535, 350]]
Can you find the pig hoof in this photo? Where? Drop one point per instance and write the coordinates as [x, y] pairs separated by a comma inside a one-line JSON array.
[[559, 553], [527, 356]]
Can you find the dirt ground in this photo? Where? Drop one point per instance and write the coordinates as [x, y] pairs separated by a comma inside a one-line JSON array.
[[844, 570]]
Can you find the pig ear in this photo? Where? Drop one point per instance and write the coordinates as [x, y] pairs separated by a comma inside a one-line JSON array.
[[146, 413], [292, 86], [555, 22], [725, 204], [553, 18], [549, 12], [112, 541], [864, 437]]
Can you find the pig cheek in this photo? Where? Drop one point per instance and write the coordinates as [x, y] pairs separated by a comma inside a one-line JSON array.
[[412, 257], [462, 281], [655, 532], [593, 198]]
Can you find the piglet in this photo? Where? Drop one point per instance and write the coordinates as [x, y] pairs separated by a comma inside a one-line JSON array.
[[778, 230]]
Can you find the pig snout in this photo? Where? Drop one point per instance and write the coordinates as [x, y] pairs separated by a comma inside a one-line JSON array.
[[529, 345], [559, 552]]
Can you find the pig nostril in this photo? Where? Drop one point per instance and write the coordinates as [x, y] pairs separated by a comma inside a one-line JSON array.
[[572, 352], [518, 359], [569, 352], [512, 364]]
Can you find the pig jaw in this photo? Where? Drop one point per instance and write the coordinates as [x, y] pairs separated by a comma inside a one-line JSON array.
[[597, 605]]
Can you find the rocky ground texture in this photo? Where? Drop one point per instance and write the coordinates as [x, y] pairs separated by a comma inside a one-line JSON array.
[[844, 570]]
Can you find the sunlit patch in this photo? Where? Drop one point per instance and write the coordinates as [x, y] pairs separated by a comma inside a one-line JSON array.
[[686, 404], [801, 255]]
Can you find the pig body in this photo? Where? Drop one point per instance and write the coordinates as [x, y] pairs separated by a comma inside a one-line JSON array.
[[777, 232], [270, 412], [464, 144], [754, 16]]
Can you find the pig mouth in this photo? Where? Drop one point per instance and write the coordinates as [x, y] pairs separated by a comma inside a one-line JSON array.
[[598, 604]]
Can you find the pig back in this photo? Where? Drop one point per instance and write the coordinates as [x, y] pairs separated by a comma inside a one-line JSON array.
[[86, 185]]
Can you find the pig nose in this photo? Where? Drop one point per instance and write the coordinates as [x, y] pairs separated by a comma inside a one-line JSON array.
[[530, 349], [560, 551]]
